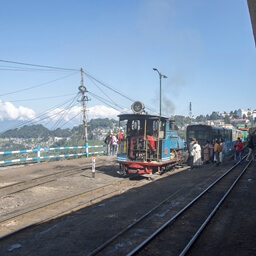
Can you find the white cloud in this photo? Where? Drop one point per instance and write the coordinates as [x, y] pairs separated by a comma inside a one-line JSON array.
[[102, 112], [9, 112], [99, 111]]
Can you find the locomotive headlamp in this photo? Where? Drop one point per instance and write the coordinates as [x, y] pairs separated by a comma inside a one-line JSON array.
[[137, 107]]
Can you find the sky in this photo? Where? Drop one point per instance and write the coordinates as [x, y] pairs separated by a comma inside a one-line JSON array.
[[205, 48]]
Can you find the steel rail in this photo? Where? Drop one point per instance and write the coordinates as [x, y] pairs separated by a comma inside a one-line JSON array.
[[39, 180], [166, 224], [104, 245], [193, 239], [63, 200]]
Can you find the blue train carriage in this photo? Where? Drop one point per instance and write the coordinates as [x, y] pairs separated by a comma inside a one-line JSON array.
[[207, 132], [151, 143]]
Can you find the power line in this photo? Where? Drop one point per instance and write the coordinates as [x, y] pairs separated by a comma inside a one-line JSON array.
[[70, 120], [36, 65], [65, 112], [101, 90], [52, 97], [32, 87], [106, 102], [42, 116], [107, 86], [114, 90], [29, 69]]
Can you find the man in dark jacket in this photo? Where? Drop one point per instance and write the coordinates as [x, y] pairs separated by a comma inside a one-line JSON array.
[[108, 143]]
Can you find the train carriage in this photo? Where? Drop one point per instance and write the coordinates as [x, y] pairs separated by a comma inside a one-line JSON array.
[[207, 132], [151, 143]]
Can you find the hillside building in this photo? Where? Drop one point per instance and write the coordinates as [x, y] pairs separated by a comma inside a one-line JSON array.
[[241, 112]]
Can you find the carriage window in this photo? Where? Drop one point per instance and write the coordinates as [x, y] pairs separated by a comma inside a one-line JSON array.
[[200, 135], [191, 134], [215, 134]]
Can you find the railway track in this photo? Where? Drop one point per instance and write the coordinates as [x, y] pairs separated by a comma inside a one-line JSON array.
[[27, 184], [36, 213], [164, 230], [50, 209]]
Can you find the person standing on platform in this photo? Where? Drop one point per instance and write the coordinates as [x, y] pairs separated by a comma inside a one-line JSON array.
[[206, 151], [238, 150], [196, 153], [108, 143], [191, 144], [252, 147], [216, 149], [211, 144], [221, 143], [114, 144]]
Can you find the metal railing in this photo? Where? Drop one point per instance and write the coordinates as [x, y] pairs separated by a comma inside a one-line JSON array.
[[38, 151]]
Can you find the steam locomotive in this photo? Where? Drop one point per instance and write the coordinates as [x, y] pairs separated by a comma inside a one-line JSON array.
[[151, 145]]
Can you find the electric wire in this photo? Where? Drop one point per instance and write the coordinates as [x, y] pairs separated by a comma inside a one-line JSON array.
[[54, 113], [8, 68], [107, 86], [41, 116], [114, 90], [106, 102], [36, 65], [69, 120], [65, 112], [52, 97], [101, 90], [29, 88], [42, 68]]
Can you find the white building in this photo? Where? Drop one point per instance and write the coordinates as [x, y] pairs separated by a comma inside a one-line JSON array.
[[242, 112]]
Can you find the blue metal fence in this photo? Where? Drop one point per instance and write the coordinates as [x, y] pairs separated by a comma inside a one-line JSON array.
[[39, 150]]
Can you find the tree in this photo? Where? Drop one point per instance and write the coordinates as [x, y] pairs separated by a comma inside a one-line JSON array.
[[227, 119], [235, 115], [214, 116], [201, 118]]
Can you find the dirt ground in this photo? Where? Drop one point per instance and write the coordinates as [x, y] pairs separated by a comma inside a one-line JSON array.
[[230, 233]]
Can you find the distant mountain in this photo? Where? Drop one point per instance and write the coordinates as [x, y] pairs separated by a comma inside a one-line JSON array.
[[40, 131], [102, 111], [70, 120], [8, 124]]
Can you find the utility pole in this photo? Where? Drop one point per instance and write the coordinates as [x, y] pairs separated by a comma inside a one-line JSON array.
[[160, 77], [190, 112], [83, 100]]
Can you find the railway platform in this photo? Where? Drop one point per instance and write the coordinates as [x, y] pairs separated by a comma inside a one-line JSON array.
[[81, 230]]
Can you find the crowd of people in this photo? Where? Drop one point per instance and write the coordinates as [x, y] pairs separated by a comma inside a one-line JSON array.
[[212, 151], [112, 140]]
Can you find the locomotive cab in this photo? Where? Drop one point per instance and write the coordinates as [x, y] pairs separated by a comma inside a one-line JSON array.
[[141, 139], [149, 144]]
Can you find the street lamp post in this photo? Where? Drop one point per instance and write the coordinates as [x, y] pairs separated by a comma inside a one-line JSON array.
[[160, 77]]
